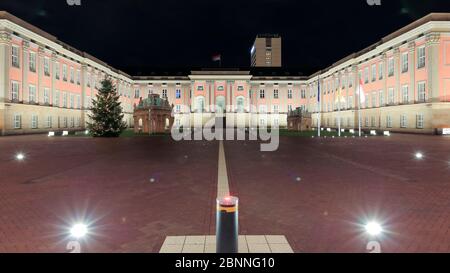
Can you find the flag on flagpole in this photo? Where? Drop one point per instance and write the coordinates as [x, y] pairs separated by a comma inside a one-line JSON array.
[[216, 58], [361, 95]]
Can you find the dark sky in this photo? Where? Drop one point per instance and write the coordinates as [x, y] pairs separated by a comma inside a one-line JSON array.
[[185, 33]]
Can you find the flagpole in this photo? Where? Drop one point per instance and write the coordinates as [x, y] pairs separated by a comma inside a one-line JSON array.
[[359, 108], [319, 108], [339, 111]]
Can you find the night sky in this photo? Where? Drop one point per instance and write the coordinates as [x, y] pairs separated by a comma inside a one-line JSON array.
[[171, 34]]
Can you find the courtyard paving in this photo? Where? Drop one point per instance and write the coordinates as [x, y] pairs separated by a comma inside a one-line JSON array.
[[136, 191]]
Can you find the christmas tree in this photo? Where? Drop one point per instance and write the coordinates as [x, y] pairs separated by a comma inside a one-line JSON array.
[[106, 113]]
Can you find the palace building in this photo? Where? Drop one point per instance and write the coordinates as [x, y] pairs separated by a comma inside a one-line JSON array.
[[47, 85]]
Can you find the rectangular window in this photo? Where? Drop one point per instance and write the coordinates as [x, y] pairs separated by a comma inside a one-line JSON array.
[[350, 82], [374, 72], [366, 75], [78, 77], [56, 99], [380, 71], [65, 122], [419, 121], [46, 96], [403, 121], [178, 93], [72, 75], [275, 94], [391, 67], [373, 122], [34, 122], [72, 122], [14, 91], [78, 101], [88, 80], [350, 102], [421, 92], [32, 94], [57, 71], [15, 59], [261, 94], [32, 61], [72, 101], [374, 99], [289, 108], [388, 122], [421, 57], [404, 62], [64, 72], [302, 93], [262, 109], [200, 88], [64, 100], [136, 93], [290, 94], [275, 109], [49, 122], [405, 94], [17, 121], [391, 98], [366, 122], [164, 93], [381, 98], [46, 66], [177, 108]]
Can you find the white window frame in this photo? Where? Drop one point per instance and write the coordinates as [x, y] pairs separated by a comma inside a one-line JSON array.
[[46, 66], [419, 121], [391, 67], [15, 56], [403, 121], [34, 122], [405, 94], [32, 62], [47, 95], [421, 92], [15, 89], [17, 121], [405, 62], [421, 57], [32, 98]]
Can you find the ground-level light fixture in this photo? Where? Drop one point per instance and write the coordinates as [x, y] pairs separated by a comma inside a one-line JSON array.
[[419, 155], [373, 228], [79, 230], [20, 156]]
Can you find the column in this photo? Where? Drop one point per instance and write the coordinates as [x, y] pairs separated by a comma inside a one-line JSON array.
[[40, 71], [412, 72], [25, 59], [356, 98], [385, 76], [191, 95], [5, 44], [432, 62], [83, 93], [53, 78], [397, 74], [207, 97], [213, 96]]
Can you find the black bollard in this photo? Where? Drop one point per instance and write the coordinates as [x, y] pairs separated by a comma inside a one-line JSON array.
[[227, 225]]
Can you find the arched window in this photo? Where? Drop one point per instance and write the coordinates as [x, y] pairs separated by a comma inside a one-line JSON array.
[[240, 101], [200, 104], [220, 104]]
